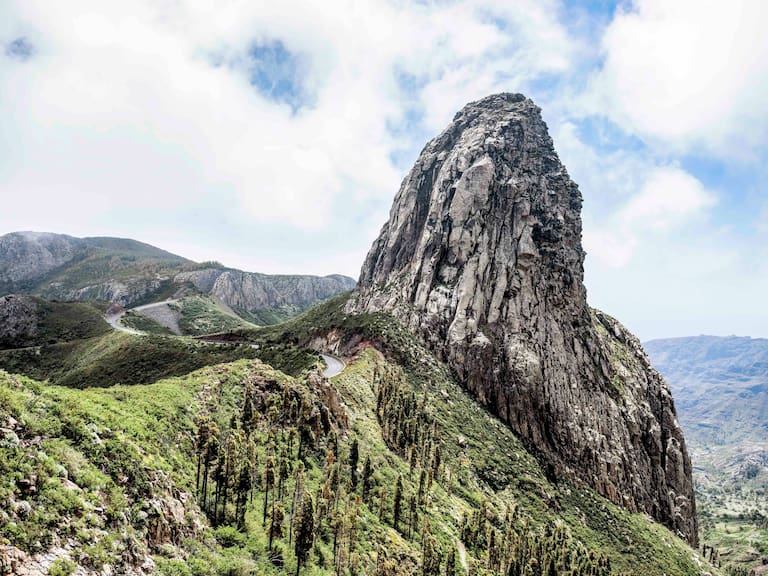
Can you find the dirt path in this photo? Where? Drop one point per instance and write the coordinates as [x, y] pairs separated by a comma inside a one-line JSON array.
[[113, 320]]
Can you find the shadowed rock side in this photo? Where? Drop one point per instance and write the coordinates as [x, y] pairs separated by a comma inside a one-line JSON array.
[[482, 255]]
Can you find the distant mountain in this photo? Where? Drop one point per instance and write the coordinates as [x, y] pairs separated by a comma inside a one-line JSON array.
[[720, 387], [721, 392], [129, 273]]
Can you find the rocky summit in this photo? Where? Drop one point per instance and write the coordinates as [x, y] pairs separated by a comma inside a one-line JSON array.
[[482, 256]]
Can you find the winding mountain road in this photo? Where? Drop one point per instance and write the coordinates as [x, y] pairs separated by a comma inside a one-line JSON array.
[[114, 319], [333, 365]]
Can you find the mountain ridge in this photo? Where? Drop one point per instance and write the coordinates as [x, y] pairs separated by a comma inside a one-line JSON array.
[[129, 272], [721, 388]]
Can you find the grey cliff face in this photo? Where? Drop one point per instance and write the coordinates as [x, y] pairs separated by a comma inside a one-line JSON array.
[[252, 291], [482, 256]]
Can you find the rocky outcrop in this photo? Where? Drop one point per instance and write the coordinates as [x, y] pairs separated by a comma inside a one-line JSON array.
[[250, 292], [127, 292], [482, 256], [202, 280]]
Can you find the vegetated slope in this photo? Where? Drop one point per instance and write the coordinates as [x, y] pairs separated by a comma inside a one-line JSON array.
[[59, 267], [118, 358], [71, 344], [189, 316], [721, 388], [29, 321], [482, 256], [390, 469], [130, 273]]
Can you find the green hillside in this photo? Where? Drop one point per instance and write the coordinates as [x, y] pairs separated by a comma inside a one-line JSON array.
[[240, 469], [196, 315], [118, 358], [51, 322]]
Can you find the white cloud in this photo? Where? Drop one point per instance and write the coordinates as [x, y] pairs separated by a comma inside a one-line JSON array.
[[125, 105], [688, 73], [120, 123], [669, 197], [668, 200]]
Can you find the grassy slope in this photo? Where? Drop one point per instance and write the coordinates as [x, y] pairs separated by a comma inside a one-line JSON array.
[[200, 315], [114, 444], [143, 323], [119, 358], [129, 452], [269, 316], [196, 316], [62, 322], [111, 467]]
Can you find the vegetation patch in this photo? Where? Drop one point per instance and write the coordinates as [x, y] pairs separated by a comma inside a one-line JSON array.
[[200, 315], [119, 358], [53, 322]]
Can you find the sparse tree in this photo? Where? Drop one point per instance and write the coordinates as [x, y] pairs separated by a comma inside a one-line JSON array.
[[398, 503], [367, 478], [450, 563], [304, 532], [276, 519], [354, 456], [269, 482]]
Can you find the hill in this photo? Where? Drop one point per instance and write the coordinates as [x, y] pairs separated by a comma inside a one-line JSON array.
[[27, 321], [390, 461], [131, 273], [195, 315]]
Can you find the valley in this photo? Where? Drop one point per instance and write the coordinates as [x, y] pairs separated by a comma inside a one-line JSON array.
[[721, 391]]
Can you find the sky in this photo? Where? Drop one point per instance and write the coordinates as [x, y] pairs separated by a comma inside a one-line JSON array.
[[273, 136]]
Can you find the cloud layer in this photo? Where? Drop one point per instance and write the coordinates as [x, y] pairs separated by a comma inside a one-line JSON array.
[[273, 136], [688, 73]]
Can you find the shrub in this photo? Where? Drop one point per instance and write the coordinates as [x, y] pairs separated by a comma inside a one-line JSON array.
[[172, 567], [229, 536], [62, 567]]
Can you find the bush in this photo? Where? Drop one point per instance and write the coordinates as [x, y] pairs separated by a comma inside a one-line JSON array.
[[229, 536], [172, 567], [62, 567]]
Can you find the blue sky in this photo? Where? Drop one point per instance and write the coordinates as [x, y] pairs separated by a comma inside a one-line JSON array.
[[273, 136]]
